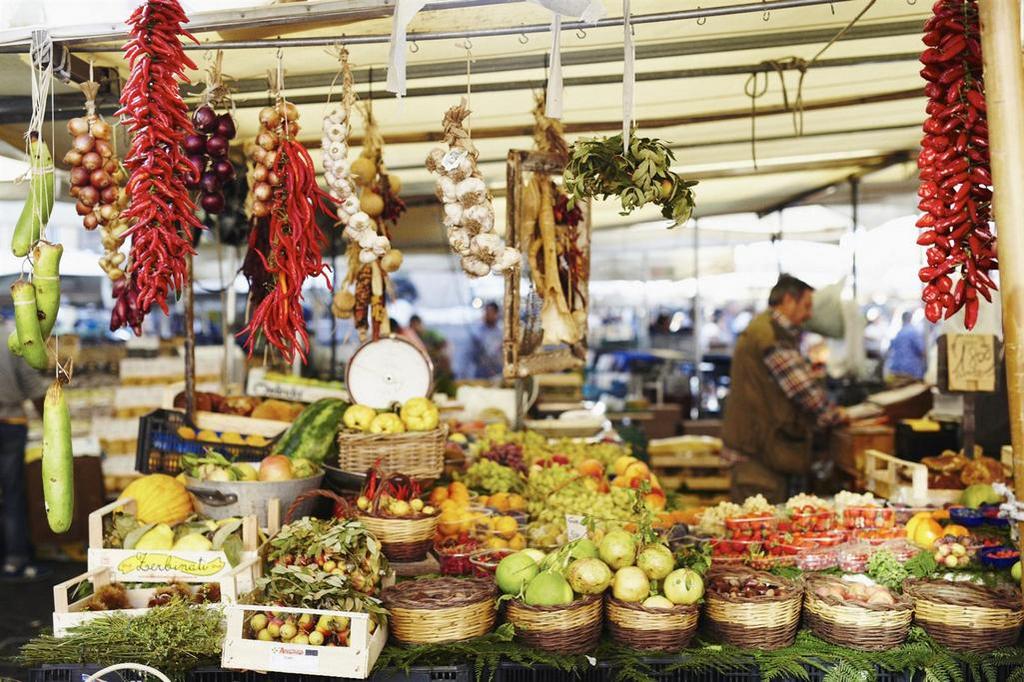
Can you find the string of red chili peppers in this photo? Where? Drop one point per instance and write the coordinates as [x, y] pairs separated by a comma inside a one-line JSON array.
[[162, 213], [296, 245], [956, 182]]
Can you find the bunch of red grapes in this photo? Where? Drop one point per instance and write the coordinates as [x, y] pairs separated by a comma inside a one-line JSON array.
[[207, 151], [507, 454]]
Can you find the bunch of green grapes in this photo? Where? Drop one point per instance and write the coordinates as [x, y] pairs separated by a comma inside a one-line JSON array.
[[556, 491], [491, 477]]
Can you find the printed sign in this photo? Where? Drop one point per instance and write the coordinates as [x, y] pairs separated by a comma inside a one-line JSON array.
[[574, 527], [297, 659]]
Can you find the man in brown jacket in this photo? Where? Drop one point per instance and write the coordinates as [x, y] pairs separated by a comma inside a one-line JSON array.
[[775, 401]]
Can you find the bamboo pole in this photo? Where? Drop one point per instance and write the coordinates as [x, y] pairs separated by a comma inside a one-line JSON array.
[[1004, 96]]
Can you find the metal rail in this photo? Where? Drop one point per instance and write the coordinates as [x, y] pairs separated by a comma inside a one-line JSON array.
[[658, 17]]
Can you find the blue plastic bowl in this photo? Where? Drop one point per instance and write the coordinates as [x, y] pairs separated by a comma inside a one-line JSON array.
[[989, 513], [985, 555], [966, 517]]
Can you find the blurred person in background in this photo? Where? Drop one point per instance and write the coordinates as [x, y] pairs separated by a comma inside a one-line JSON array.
[[775, 400], [484, 353], [908, 355], [18, 383], [438, 350]]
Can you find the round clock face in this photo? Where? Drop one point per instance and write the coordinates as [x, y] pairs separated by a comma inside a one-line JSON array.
[[388, 371]]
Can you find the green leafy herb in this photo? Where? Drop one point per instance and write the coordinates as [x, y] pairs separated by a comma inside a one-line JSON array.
[[598, 168], [922, 566], [885, 569], [173, 639]]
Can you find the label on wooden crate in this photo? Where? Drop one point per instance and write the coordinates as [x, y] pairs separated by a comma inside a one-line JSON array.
[[134, 565], [298, 659]]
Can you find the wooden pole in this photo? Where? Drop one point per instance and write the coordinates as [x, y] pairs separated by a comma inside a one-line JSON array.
[[1004, 96], [190, 343]]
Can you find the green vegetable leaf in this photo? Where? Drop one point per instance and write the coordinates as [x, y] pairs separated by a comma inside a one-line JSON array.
[[133, 537], [225, 531], [232, 548]]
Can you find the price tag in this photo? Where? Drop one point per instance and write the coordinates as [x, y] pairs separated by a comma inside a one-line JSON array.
[[971, 362], [453, 158], [298, 659], [574, 527]]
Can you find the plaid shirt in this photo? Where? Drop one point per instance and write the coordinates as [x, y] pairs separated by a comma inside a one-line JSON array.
[[796, 378]]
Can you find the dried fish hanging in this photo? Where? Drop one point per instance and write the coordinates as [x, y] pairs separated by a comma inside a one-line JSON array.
[[559, 264], [468, 212], [369, 203]]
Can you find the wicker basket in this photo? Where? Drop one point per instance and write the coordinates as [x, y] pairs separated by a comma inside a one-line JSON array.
[[768, 622], [965, 616], [639, 627], [402, 539], [418, 454], [435, 610], [868, 627], [572, 629]]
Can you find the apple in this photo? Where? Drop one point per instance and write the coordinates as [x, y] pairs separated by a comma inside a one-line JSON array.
[[276, 468], [683, 586], [1015, 571]]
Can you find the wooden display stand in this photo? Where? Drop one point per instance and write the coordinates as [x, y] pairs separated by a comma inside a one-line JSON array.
[[162, 565], [847, 447], [68, 612], [353, 661], [690, 464]]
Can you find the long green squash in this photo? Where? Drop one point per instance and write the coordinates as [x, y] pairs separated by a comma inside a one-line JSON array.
[[58, 461]]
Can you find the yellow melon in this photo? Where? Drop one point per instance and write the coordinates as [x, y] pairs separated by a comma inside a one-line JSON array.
[[159, 498]]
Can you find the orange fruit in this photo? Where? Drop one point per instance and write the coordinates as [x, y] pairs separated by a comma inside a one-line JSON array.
[[506, 526], [456, 486], [517, 542], [437, 496], [499, 501], [496, 543], [941, 515], [449, 523], [622, 462]]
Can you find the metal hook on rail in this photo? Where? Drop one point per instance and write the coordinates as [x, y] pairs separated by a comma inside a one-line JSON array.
[[767, 16], [414, 47], [466, 44], [832, 6], [581, 34], [701, 20], [523, 38]]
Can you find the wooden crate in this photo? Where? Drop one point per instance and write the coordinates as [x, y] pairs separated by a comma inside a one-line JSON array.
[[353, 661], [69, 612], [882, 475], [132, 565], [848, 445]]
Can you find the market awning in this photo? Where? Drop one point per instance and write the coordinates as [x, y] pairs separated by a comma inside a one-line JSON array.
[[859, 107]]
